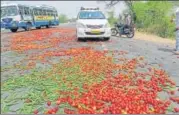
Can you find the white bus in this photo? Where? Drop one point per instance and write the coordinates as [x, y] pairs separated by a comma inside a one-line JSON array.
[[15, 16]]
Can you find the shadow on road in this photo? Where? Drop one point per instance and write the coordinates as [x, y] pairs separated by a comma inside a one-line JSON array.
[[22, 30], [166, 49], [122, 37], [93, 40]]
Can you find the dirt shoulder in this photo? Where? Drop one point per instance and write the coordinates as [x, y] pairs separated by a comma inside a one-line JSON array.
[[152, 38]]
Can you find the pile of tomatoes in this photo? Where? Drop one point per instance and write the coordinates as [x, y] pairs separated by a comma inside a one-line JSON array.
[[128, 92]]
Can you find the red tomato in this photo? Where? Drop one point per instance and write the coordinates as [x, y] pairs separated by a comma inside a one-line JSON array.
[[48, 103], [36, 111], [176, 110], [58, 102]]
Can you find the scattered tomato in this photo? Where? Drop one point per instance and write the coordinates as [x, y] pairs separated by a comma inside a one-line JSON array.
[[48, 103], [36, 111]]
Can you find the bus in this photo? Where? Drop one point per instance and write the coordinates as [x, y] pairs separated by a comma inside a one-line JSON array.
[[16, 16]]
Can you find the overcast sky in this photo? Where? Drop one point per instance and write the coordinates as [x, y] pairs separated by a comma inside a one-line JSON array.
[[71, 8]]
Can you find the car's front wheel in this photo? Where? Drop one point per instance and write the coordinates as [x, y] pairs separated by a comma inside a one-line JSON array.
[[81, 39], [106, 39]]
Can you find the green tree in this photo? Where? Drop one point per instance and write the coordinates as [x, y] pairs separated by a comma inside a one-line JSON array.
[[111, 17], [153, 17], [129, 4], [63, 18], [150, 16]]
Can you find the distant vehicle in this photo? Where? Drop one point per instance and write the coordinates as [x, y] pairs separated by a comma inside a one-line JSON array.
[[92, 23], [15, 16], [123, 30]]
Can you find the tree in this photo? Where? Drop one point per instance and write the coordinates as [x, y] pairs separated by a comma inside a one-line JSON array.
[[150, 16], [111, 17], [129, 4], [153, 17], [175, 3], [63, 18]]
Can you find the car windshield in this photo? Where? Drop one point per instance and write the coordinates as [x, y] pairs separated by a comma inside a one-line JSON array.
[[9, 11], [91, 15]]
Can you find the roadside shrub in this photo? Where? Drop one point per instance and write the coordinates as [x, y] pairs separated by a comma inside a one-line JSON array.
[[154, 17]]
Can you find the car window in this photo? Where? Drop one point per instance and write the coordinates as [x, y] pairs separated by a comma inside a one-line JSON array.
[[91, 15]]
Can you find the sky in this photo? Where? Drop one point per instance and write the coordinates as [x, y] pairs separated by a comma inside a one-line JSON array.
[[71, 8]]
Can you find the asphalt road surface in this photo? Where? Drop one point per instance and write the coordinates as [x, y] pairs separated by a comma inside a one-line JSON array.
[[154, 53]]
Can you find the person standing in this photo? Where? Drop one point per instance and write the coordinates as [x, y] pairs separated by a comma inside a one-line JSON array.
[[127, 21], [177, 30]]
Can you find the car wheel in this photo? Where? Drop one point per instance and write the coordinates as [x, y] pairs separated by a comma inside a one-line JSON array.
[[106, 39], [82, 39]]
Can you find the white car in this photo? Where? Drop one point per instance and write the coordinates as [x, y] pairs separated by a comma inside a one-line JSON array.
[[92, 23]]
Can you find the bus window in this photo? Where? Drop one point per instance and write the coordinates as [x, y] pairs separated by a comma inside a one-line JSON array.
[[3, 12], [9, 11], [47, 12], [21, 12], [51, 13], [35, 12], [43, 13], [39, 12], [56, 13], [26, 11]]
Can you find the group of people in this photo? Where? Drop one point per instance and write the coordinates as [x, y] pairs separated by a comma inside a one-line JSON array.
[[125, 21]]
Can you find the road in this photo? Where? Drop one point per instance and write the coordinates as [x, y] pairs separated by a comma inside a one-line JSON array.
[[155, 53]]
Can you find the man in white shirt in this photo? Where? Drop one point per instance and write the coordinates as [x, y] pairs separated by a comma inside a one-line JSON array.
[[127, 20]]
